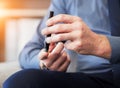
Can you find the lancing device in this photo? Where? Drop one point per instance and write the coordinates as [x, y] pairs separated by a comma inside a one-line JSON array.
[[47, 44]]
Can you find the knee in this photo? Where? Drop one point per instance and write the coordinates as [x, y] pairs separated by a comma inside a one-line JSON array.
[[22, 79]]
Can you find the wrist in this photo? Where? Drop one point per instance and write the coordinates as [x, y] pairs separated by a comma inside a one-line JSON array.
[[102, 47]]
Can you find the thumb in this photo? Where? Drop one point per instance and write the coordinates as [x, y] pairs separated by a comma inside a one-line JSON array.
[[42, 54]]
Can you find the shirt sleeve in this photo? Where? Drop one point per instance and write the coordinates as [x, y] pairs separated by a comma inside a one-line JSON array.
[[115, 45], [28, 57]]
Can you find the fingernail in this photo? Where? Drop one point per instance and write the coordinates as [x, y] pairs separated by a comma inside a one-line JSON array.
[[48, 39], [44, 31], [48, 23]]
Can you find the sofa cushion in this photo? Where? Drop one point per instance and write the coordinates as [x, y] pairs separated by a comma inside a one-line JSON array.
[[7, 69]]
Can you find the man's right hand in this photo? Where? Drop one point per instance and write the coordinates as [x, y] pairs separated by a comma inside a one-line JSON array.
[[56, 60]]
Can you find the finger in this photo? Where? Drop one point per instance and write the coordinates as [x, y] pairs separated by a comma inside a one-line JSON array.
[[59, 61], [41, 64], [58, 49], [51, 47], [76, 46], [62, 18], [59, 38], [70, 45], [54, 54], [43, 54], [65, 65], [58, 28]]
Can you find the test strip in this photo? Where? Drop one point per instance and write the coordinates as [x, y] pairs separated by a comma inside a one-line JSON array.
[[47, 44]]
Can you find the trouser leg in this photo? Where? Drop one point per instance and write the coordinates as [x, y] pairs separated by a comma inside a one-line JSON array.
[[33, 78]]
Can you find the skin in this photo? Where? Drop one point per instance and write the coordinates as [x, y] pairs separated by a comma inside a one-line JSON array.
[[56, 59], [78, 36]]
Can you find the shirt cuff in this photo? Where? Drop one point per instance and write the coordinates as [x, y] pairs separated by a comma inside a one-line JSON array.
[[115, 45]]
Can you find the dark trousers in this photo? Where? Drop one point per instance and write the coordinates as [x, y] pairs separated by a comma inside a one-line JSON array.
[[33, 78]]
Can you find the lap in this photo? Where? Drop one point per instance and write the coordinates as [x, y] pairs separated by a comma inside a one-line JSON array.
[[33, 78]]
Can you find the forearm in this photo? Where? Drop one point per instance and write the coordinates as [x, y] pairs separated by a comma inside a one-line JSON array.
[[109, 48], [102, 47], [29, 59]]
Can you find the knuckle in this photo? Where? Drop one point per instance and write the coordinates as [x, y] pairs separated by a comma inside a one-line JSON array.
[[61, 16], [52, 68], [60, 37], [48, 64], [79, 34], [79, 25], [74, 48], [60, 69], [64, 55], [47, 30], [79, 44], [56, 53], [78, 18], [57, 27]]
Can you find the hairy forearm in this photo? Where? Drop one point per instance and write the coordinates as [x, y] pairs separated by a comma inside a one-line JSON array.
[[103, 48]]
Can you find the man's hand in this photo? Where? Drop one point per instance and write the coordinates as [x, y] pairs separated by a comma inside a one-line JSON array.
[[56, 60], [78, 35]]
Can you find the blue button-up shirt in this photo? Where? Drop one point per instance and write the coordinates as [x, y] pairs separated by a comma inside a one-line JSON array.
[[95, 14]]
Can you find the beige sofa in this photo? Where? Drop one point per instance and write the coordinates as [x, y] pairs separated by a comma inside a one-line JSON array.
[[7, 69]]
